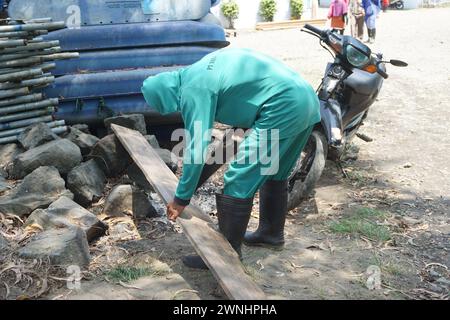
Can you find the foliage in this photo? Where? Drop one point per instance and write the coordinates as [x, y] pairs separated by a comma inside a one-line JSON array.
[[230, 10], [132, 273], [268, 9], [296, 9], [362, 223]]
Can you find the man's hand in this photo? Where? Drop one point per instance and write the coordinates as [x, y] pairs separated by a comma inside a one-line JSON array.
[[174, 211]]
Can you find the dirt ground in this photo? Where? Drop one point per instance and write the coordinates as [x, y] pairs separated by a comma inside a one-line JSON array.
[[386, 208]]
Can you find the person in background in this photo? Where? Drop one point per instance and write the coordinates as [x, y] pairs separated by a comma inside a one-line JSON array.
[[385, 5], [356, 19], [371, 9], [338, 15]]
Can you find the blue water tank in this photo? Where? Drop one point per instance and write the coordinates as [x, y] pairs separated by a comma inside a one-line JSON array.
[[138, 35], [98, 12], [119, 59]]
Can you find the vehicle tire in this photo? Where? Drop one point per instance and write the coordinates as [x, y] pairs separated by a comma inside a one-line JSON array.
[[399, 5], [308, 169]]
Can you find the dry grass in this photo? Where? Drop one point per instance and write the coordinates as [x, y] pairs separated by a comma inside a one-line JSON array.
[[22, 279]]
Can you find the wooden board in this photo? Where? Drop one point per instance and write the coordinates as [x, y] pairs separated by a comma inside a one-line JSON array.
[[288, 24], [211, 245]]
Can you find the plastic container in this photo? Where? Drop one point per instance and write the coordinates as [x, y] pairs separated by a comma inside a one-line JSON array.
[[96, 61], [140, 35], [97, 12]]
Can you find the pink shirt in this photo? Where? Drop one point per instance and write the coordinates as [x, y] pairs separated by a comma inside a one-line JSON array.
[[338, 8]]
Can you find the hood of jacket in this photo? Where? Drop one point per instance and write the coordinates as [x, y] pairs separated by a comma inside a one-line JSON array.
[[162, 92]]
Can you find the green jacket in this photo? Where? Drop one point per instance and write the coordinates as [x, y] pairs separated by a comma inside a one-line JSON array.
[[238, 87]]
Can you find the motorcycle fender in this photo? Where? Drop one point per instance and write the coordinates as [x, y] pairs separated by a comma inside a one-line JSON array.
[[330, 111]]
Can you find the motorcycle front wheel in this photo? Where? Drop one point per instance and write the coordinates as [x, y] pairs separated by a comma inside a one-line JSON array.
[[399, 5], [308, 169]]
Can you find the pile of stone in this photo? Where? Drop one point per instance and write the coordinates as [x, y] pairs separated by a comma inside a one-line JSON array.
[[52, 182]]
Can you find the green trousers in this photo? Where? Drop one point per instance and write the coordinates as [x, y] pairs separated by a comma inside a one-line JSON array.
[[251, 168]]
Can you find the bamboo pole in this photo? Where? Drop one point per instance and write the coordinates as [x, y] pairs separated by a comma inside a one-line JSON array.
[[14, 132], [20, 100], [30, 106], [27, 115]]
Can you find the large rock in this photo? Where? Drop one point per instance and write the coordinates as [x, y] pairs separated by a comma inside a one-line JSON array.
[[62, 154], [4, 185], [40, 188], [8, 152], [152, 141], [126, 199], [83, 140], [138, 178], [169, 159], [63, 247], [111, 156], [66, 213], [86, 182], [131, 121], [82, 127], [36, 135]]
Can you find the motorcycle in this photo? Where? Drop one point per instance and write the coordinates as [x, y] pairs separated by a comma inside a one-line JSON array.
[[349, 87], [397, 4]]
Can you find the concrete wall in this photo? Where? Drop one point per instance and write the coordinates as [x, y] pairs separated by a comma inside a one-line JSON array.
[[249, 12]]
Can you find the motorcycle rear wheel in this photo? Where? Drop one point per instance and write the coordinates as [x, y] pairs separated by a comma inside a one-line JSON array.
[[308, 169]]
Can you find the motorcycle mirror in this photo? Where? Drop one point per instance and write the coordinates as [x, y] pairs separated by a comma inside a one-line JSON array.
[[398, 63]]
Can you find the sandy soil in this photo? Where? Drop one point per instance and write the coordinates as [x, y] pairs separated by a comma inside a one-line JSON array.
[[402, 176]]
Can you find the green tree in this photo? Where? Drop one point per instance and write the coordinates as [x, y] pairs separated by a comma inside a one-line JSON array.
[[268, 9], [296, 9], [230, 10]]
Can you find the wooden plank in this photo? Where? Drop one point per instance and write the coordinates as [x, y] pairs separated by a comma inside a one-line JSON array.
[[288, 24], [210, 244]]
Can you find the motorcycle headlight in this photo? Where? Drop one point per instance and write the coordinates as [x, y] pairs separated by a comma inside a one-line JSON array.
[[356, 57]]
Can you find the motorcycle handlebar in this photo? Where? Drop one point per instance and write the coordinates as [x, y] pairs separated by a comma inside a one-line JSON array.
[[315, 30], [381, 72]]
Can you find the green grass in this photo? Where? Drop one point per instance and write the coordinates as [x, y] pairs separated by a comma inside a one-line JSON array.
[[128, 274], [358, 178], [363, 222], [387, 266], [371, 213]]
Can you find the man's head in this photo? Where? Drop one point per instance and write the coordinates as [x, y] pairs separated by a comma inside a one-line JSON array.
[[162, 92]]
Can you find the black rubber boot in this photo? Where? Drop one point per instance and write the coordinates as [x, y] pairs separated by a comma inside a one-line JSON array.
[[194, 262], [369, 35], [233, 215], [273, 197]]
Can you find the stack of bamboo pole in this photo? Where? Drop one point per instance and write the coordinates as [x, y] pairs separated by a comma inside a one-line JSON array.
[[25, 64]]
